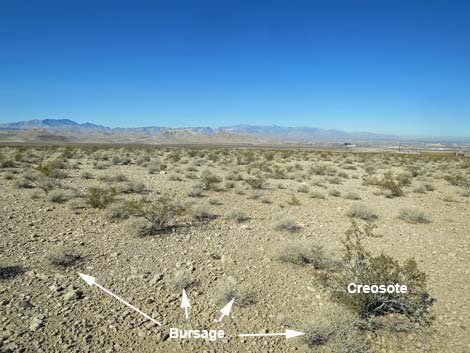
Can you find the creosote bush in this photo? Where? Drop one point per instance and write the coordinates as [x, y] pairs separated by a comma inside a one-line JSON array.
[[161, 213], [257, 182], [209, 180], [360, 267], [97, 197]]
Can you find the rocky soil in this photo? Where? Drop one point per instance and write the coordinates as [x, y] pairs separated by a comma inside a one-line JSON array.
[[48, 308]]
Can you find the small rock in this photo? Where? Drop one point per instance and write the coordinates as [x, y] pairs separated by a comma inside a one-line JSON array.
[[35, 324]]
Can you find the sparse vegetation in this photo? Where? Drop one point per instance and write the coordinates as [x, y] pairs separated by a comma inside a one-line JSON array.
[[413, 216], [286, 223], [236, 214], [362, 211]]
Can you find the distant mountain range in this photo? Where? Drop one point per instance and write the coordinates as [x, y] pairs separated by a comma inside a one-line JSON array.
[[66, 130]]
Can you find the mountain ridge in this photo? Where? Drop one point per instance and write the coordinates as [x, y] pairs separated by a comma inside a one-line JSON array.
[[263, 133]]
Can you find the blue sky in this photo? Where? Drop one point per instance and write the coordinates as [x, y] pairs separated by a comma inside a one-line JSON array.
[[378, 65]]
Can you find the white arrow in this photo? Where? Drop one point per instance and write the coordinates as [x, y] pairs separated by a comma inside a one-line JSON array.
[[185, 304], [92, 281], [226, 309], [288, 334]]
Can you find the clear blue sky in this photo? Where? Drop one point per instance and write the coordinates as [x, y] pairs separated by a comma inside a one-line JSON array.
[[398, 67]]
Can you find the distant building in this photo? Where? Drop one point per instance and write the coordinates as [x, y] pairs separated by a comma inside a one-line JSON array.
[[349, 144]]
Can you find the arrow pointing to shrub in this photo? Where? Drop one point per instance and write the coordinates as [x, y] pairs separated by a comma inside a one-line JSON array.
[[185, 304], [226, 309], [91, 281], [288, 334]]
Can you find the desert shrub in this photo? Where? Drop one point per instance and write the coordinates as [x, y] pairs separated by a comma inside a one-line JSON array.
[[352, 196], [233, 176], [419, 190], [161, 212], [255, 195], [303, 253], [97, 197], [428, 186], [362, 211], [338, 328], [23, 183], [191, 175], [139, 227], [59, 196], [62, 257], [209, 180], [257, 182], [154, 167], [113, 178], [413, 216], [286, 223], [235, 214], [448, 198], [318, 169], [303, 188], [404, 179], [459, 179], [196, 192], [317, 195], [230, 289], [215, 201], [46, 184], [334, 180], [119, 210], [53, 169], [334, 193], [202, 213], [389, 183], [360, 267], [174, 177], [8, 163], [293, 201], [183, 279], [135, 187], [265, 200], [8, 176], [229, 184]]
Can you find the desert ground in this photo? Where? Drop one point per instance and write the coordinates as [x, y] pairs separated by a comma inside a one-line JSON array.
[[267, 227]]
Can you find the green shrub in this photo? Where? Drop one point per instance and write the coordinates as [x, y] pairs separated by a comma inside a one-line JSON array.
[[53, 169], [209, 180], [257, 182], [97, 197], [161, 212], [360, 267]]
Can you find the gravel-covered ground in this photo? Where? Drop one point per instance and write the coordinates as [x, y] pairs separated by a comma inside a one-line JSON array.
[[46, 307]]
